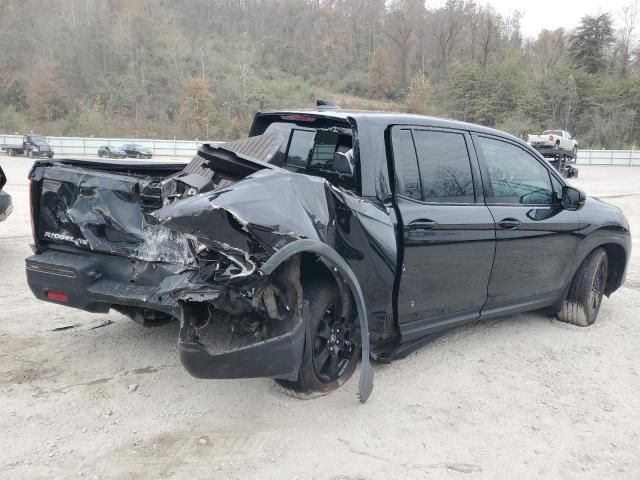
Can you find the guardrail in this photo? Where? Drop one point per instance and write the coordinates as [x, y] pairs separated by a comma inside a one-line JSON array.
[[626, 158], [89, 145], [181, 148]]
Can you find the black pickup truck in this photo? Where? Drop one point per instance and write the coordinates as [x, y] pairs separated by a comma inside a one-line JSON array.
[[31, 146], [326, 237]]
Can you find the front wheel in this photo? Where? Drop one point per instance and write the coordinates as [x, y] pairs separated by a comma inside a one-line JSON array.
[[334, 347], [583, 301]]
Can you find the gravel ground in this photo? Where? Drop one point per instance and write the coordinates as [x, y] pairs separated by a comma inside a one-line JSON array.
[[521, 397]]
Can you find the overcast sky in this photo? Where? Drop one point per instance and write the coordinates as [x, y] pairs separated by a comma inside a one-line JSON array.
[[551, 14]]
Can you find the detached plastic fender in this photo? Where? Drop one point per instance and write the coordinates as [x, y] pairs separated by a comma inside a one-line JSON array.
[[365, 384]]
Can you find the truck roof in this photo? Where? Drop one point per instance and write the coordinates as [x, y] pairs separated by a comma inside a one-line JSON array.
[[390, 118], [371, 127]]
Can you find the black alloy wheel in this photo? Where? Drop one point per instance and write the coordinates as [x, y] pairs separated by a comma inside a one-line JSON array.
[[334, 345]]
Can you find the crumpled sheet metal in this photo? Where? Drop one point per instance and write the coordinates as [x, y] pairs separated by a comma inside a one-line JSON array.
[[103, 212], [270, 209], [273, 207]]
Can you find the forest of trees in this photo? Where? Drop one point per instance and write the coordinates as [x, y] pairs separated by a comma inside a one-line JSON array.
[[201, 68]]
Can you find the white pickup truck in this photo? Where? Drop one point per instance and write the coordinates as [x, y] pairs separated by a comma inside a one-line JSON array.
[[554, 143]]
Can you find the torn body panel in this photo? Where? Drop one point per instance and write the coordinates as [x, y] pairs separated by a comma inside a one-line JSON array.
[[251, 220], [264, 214]]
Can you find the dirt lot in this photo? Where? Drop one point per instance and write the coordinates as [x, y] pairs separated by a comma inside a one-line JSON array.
[[521, 397]]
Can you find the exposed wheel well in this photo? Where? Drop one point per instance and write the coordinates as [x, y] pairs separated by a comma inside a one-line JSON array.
[[313, 268], [617, 261]]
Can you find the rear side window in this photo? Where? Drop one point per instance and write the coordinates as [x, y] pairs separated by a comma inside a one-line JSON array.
[[445, 168]]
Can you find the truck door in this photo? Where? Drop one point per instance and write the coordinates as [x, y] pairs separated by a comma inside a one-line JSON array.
[[447, 232], [536, 238]]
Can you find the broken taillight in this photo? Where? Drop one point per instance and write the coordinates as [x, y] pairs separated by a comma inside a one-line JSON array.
[[59, 297]]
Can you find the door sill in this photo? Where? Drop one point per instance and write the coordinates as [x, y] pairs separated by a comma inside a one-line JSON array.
[[420, 328]]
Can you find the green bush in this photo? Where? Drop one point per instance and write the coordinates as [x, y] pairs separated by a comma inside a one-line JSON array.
[[355, 82]]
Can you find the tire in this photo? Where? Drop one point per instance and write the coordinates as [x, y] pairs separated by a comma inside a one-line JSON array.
[[335, 346], [50, 155], [11, 152], [584, 298]]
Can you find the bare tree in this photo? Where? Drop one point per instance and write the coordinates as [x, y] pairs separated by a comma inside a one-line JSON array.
[[549, 48], [445, 26], [400, 27], [630, 16]]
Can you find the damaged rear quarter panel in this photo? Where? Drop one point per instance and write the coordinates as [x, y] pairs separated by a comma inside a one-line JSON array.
[[262, 213]]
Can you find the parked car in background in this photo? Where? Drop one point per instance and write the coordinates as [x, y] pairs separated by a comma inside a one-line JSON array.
[[324, 237], [31, 146], [110, 152], [133, 150], [554, 142], [5, 199]]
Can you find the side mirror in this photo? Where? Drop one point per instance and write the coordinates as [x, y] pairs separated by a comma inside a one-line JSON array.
[[572, 198]]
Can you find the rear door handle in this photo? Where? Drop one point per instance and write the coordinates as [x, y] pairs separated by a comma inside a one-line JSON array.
[[509, 223], [422, 224]]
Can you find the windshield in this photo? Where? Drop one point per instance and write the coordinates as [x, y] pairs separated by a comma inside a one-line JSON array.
[[38, 139]]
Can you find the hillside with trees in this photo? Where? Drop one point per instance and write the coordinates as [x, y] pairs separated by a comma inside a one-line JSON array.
[[201, 68]]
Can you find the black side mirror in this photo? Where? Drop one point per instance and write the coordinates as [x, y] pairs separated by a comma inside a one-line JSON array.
[[572, 198]]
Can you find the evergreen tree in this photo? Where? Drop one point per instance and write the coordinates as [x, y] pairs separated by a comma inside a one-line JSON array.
[[590, 43]]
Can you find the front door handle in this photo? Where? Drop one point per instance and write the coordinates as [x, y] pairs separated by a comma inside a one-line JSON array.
[[422, 224], [509, 223]]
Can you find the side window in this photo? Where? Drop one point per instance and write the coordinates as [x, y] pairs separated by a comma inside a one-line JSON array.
[[406, 164], [445, 169], [515, 177]]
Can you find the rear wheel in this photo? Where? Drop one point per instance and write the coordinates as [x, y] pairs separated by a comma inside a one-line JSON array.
[[583, 301], [11, 152], [335, 345]]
